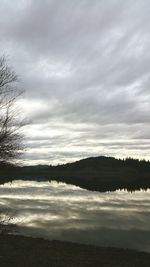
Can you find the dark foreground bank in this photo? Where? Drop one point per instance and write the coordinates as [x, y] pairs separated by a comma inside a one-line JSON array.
[[19, 251]]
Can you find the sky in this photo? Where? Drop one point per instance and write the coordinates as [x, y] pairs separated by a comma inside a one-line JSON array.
[[85, 69]]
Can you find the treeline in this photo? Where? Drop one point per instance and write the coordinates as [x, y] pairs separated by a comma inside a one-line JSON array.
[[96, 173]]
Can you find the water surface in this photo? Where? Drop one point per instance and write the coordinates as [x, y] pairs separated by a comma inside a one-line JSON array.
[[66, 212]]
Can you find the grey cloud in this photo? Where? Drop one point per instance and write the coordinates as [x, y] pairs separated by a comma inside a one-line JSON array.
[[88, 61], [96, 109]]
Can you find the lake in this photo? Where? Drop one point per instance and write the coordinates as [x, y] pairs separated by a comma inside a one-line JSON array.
[[65, 212]]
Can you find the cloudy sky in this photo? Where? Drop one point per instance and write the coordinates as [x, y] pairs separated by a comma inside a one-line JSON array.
[[85, 69]]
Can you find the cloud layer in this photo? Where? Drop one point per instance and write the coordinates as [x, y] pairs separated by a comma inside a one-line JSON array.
[[85, 68]]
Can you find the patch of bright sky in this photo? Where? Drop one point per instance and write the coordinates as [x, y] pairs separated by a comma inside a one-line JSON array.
[[54, 69]]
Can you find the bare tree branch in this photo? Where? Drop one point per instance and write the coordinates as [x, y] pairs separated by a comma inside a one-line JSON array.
[[10, 138]]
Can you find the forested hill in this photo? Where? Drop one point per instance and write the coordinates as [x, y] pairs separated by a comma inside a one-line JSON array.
[[101, 162], [96, 173]]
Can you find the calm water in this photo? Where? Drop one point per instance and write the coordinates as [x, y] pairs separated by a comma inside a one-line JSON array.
[[65, 212]]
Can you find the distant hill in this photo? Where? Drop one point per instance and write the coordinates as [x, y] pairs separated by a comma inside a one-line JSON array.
[[95, 173]]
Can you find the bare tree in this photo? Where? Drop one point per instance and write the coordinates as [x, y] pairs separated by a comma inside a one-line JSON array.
[[9, 124]]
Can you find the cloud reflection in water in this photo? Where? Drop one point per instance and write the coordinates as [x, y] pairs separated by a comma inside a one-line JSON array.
[[66, 212]]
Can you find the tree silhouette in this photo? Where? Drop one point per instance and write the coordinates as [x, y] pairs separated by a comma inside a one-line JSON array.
[[10, 138]]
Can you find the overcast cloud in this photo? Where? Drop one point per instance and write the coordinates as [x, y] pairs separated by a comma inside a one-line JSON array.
[[85, 68]]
